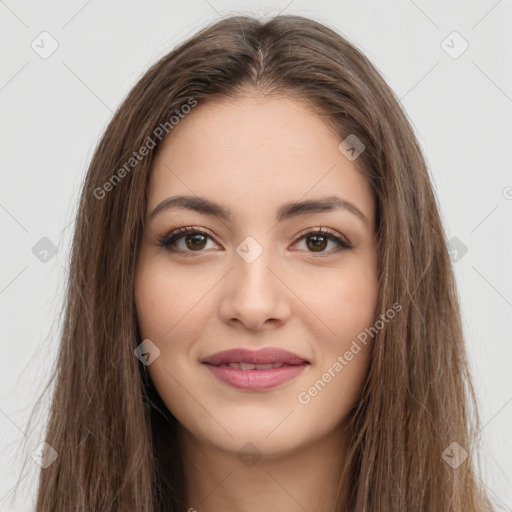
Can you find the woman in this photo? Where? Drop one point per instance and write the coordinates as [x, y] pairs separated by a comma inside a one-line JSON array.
[[261, 311]]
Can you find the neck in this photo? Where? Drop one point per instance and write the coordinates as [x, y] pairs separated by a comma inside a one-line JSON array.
[[306, 479]]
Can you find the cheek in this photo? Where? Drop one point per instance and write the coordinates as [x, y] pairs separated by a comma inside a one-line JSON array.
[[348, 308], [344, 303], [173, 308], [171, 314], [168, 301], [354, 303], [339, 303]]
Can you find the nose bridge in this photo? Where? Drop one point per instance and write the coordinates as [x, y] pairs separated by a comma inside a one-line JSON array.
[[254, 293], [252, 261]]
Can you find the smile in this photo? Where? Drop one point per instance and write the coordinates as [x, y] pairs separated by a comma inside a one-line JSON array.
[[253, 370]]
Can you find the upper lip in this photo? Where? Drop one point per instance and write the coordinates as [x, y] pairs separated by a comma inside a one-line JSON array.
[[263, 356]]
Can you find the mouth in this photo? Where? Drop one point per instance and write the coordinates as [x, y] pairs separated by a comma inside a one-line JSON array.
[[253, 366], [264, 356], [255, 370]]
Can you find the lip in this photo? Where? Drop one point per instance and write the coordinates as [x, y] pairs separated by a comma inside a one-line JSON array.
[[255, 379], [262, 356]]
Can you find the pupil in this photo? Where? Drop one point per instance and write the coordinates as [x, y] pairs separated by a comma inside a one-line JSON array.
[[196, 240], [316, 243]]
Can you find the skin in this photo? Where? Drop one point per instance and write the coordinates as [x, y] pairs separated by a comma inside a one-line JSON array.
[[252, 155]]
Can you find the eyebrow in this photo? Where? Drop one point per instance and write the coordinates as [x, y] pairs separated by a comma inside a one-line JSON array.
[[286, 211]]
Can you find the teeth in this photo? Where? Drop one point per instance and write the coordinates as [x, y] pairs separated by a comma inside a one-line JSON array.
[[252, 366], [247, 366]]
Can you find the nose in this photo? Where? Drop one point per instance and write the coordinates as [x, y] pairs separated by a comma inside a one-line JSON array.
[[254, 294]]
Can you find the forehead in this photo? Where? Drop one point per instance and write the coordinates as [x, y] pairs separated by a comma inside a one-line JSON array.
[[255, 152]]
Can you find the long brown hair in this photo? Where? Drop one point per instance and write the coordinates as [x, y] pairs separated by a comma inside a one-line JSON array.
[[113, 434]]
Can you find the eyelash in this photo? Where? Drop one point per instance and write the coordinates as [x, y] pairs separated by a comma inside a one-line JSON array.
[[169, 240]]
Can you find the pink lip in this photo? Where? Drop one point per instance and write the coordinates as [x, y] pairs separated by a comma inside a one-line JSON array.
[[255, 379], [263, 356]]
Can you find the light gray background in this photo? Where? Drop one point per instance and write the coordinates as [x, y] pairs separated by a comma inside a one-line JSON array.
[[54, 110]]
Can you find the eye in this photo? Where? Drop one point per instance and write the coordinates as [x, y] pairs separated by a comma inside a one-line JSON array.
[[195, 240], [317, 241]]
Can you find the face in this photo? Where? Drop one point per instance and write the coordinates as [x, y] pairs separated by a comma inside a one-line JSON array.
[[253, 273]]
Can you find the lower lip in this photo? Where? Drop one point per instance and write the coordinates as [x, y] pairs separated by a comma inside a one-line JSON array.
[[255, 380]]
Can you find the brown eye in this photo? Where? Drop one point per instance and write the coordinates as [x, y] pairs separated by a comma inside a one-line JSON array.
[[195, 242], [186, 240], [317, 243]]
